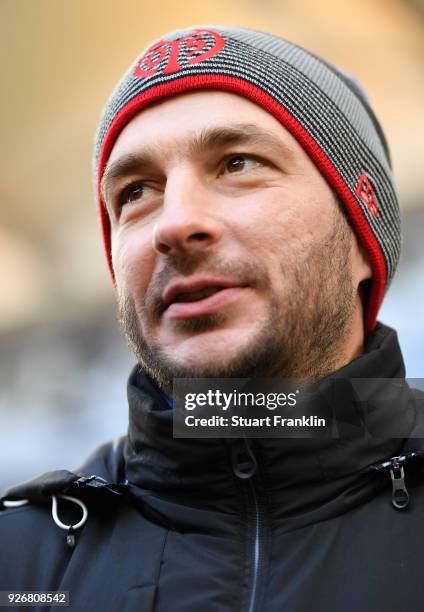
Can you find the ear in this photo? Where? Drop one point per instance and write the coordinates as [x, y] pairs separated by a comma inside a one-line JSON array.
[[361, 263], [362, 272]]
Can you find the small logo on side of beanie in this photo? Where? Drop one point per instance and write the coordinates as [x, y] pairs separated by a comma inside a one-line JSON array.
[[168, 56], [365, 192]]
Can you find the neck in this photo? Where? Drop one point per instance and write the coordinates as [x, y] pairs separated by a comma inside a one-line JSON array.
[[317, 363], [354, 341]]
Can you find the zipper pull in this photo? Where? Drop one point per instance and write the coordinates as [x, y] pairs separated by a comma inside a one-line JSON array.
[[400, 495], [243, 460]]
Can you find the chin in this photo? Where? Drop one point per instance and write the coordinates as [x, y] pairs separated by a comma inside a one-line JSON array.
[[206, 350]]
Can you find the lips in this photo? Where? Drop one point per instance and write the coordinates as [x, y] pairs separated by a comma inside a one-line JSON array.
[[196, 290], [193, 296]]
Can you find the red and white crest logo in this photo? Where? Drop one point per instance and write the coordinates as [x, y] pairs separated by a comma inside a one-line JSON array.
[[365, 192], [166, 55]]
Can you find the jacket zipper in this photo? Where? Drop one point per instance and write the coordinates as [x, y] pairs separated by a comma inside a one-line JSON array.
[[394, 465], [257, 549], [245, 468]]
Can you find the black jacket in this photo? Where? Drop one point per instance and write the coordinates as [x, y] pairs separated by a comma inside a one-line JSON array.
[[172, 526]]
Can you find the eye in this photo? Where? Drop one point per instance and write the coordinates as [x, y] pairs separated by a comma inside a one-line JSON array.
[[132, 193], [241, 163]]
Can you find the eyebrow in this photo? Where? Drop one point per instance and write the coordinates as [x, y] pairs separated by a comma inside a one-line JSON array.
[[207, 139]]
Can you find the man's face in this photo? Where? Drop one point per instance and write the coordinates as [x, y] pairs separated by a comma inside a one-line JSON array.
[[230, 252]]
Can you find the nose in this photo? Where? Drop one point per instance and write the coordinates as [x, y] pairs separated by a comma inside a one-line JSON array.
[[188, 220]]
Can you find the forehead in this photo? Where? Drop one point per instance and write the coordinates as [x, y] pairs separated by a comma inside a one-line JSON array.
[[180, 119]]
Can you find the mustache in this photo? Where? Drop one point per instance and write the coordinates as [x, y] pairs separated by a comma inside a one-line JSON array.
[[246, 272]]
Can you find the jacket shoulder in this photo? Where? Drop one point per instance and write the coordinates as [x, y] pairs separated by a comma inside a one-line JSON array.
[[106, 461], [33, 552]]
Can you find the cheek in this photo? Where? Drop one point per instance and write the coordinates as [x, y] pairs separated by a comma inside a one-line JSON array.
[[274, 224], [280, 226], [132, 259]]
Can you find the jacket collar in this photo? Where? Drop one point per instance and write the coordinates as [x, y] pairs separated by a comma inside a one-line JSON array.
[[320, 469], [304, 480]]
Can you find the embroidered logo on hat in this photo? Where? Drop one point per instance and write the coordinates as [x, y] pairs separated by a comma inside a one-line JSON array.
[[165, 56], [365, 192]]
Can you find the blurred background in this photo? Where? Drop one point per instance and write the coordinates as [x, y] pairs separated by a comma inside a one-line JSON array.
[[63, 363]]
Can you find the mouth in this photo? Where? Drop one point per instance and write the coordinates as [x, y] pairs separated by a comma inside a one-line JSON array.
[[199, 298]]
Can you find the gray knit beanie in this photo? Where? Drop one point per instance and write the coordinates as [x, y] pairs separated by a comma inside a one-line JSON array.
[[321, 106]]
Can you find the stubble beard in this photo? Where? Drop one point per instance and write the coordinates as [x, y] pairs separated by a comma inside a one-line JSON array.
[[304, 330]]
